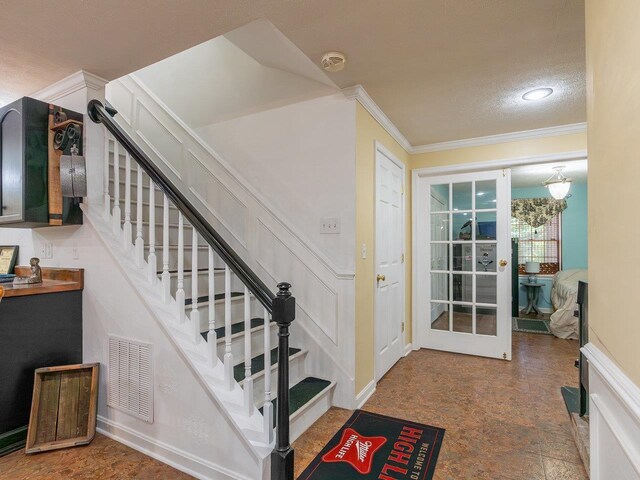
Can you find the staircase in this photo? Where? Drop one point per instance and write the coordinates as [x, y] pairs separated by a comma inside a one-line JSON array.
[[232, 329]]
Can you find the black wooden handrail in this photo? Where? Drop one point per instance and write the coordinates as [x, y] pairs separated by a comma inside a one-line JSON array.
[[99, 114]]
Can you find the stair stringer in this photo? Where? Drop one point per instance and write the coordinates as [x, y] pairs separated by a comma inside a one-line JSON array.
[[211, 378], [325, 294]]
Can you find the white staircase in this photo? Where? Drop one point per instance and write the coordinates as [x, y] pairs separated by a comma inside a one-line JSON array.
[[209, 314]]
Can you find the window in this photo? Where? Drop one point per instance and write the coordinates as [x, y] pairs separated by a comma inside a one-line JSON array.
[[540, 244]]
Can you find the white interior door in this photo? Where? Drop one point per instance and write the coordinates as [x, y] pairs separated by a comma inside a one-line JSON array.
[[389, 287], [463, 280]]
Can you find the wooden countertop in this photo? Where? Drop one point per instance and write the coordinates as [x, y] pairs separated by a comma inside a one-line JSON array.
[[53, 280]]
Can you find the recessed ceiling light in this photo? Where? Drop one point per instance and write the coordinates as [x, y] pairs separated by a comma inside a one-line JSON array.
[[537, 94]]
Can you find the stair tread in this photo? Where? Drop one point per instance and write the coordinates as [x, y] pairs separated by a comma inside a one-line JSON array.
[[300, 394], [235, 328], [217, 296], [187, 271], [257, 363]]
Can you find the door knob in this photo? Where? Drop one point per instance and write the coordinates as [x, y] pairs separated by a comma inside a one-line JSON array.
[[503, 263], [381, 277]]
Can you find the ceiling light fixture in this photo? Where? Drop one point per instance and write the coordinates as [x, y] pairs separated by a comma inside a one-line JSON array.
[[537, 94], [558, 184], [333, 61]]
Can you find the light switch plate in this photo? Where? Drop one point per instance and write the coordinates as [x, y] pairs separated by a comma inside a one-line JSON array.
[[46, 252], [329, 225]]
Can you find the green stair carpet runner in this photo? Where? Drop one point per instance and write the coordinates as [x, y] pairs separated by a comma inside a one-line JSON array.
[[257, 363], [235, 328], [300, 394]]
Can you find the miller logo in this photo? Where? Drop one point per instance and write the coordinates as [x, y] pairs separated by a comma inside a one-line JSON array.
[[356, 450]]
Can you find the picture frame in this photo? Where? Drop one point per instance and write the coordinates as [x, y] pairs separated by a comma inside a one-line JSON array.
[[8, 258]]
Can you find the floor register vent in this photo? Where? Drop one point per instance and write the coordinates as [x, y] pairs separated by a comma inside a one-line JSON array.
[[130, 377]]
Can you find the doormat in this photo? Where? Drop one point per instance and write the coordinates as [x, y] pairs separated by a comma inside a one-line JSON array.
[[372, 446], [531, 325]]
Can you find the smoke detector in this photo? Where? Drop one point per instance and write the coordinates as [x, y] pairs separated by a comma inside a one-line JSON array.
[[333, 61]]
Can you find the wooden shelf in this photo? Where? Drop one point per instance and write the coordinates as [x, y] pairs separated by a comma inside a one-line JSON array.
[[53, 280]]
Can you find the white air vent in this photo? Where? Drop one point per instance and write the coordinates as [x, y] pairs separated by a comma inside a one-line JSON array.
[[130, 383]]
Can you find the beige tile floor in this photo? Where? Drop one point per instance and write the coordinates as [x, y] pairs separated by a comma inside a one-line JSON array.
[[102, 459], [504, 420]]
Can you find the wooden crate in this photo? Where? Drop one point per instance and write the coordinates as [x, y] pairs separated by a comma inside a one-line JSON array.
[[63, 408]]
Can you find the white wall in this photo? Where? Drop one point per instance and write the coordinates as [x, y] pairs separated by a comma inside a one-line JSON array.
[[301, 157], [188, 425]]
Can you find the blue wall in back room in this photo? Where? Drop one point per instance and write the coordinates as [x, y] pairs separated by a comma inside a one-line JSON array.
[[574, 235]]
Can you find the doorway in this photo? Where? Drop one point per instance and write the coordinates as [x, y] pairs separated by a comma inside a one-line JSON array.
[[462, 249], [389, 284]]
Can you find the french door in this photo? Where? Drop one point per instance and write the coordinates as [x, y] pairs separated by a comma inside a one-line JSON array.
[[462, 250]]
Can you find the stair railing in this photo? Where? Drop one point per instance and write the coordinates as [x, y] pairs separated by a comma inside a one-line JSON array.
[[280, 307]]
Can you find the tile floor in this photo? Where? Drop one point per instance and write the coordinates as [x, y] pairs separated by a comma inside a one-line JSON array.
[[504, 420], [103, 459]]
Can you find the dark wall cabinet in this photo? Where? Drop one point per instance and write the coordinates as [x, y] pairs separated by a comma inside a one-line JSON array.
[[24, 160]]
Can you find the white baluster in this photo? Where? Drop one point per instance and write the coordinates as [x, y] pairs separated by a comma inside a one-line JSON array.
[[228, 356], [166, 278], [248, 381], [151, 259], [139, 246], [116, 188], [267, 409], [211, 336], [195, 313], [107, 197], [127, 202], [180, 291]]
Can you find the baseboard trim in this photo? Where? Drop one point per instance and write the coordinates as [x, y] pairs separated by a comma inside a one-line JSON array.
[[614, 421], [408, 348], [365, 394], [180, 460]]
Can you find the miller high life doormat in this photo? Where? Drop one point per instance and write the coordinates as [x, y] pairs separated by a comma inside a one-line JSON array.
[[372, 446]]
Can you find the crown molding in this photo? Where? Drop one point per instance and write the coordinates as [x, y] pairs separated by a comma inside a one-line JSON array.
[[68, 85], [358, 92], [501, 138]]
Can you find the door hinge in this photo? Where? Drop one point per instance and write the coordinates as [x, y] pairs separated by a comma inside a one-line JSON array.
[[504, 172], [504, 356], [402, 258], [403, 326], [402, 189]]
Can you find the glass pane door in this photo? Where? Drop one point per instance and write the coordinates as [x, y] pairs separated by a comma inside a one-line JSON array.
[[466, 238]]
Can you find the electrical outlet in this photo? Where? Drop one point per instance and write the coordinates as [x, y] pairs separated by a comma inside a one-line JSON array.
[[329, 225], [46, 251]]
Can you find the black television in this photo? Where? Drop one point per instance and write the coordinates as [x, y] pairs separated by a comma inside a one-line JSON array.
[[583, 365]]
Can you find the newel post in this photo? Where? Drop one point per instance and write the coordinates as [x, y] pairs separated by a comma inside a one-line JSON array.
[[284, 311]]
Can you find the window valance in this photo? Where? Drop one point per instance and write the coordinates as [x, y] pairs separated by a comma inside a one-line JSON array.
[[536, 211]]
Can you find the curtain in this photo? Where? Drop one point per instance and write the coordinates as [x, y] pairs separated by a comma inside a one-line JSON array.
[[536, 211]]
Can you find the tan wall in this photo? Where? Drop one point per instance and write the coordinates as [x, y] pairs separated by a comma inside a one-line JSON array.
[[368, 131], [613, 114], [521, 148]]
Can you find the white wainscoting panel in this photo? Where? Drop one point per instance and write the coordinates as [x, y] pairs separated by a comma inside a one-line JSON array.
[[159, 138], [317, 299], [614, 419]]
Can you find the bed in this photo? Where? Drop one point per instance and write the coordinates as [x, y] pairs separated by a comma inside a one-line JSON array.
[[564, 293]]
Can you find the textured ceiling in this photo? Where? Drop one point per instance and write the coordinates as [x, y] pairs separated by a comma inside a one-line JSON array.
[[440, 69]]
